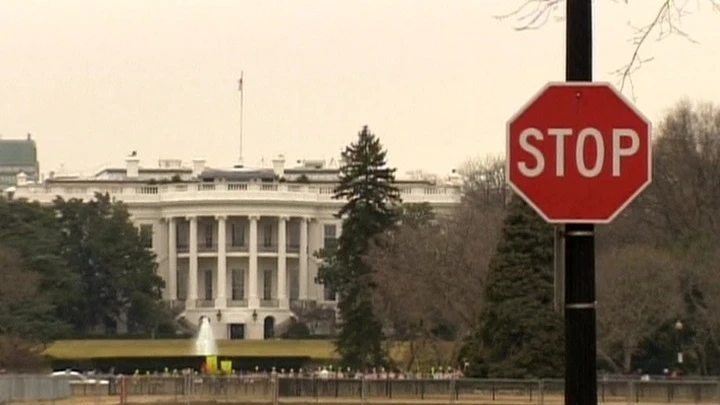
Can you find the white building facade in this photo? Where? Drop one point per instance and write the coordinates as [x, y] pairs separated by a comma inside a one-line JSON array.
[[236, 246]]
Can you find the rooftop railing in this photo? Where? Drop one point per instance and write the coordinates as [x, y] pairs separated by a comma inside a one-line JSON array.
[[197, 192]]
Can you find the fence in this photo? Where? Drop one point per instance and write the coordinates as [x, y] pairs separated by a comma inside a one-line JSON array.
[[273, 389], [25, 388]]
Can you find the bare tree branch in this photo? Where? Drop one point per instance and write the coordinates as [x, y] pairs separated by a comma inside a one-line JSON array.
[[638, 286], [533, 14]]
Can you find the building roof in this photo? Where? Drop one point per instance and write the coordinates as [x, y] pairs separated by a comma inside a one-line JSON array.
[[239, 175], [17, 152]]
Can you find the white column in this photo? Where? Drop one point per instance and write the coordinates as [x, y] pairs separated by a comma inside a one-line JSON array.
[[193, 268], [282, 263], [171, 287], [303, 268], [221, 295], [253, 301]]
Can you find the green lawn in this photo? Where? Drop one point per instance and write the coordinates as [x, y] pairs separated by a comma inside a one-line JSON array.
[[88, 349], [314, 349]]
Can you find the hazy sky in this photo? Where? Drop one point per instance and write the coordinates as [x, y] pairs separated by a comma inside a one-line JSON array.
[[436, 80]]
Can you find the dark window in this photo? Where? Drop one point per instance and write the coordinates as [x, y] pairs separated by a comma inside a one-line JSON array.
[[267, 284], [329, 236], [146, 235], [237, 235], [267, 235], [238, 284], [329, 294], [209, 235], [208, 285]]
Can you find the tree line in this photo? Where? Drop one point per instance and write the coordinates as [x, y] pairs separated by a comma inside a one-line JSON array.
[[74, 269], [474, 290]]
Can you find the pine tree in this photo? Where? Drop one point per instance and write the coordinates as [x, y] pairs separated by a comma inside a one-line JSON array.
[[371, 208], [519, 334]]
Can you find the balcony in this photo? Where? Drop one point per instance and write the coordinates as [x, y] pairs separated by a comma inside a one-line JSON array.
[[271, 303], [223, 192], [205, 303], [231, 303], [297, 305], [267, 248], [207, 247], [213, 248], [237, 248]]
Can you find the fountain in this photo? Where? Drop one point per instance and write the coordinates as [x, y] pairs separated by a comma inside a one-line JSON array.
[[205, 344]]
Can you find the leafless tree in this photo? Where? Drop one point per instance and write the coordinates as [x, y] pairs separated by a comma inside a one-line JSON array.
[[679, 213], [484, 181], [702, 288], [683, 202], [433, 276], [666, 21], [639, 293]]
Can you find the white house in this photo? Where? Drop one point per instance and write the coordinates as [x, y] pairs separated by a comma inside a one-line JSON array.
[[234, 245]]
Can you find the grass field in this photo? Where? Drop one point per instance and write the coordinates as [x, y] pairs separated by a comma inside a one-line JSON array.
[[314, 349], [88, 349]]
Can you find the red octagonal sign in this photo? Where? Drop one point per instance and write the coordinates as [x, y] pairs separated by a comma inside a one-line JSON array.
[[579, 152]]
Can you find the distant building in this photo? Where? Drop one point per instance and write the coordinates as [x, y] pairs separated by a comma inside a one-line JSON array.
[[235, 245], [18, 156]]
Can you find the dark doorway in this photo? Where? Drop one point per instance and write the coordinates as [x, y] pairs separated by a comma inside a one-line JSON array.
[[237, 331], [269, 327]]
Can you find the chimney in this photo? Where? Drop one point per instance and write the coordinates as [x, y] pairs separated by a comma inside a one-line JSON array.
[[198, 166], [279, 166], [21, 179], [133, 167]]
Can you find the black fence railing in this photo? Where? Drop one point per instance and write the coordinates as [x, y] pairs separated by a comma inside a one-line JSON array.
[[274, 388]]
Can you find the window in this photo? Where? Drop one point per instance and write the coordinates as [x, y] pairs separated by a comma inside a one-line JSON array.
[[329, 294], [267, 284], [146, 235], [208, 285], [294, 283], [182, 284], [294, 235], [208, 235], [329, 236], [267, 235], [237, 235], [181, 237], [238, 285]]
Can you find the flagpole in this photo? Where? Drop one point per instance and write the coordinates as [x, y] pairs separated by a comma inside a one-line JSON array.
[[242, 92]]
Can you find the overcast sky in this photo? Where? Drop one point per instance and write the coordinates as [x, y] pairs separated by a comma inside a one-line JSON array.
[[435, 80]]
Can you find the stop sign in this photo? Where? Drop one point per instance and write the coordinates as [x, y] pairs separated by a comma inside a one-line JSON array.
[[579, 152]]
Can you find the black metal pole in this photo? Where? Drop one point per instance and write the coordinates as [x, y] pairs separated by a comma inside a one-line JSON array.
[[580, 336]]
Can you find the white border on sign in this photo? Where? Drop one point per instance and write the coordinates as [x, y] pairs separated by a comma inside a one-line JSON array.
[[531, 101]]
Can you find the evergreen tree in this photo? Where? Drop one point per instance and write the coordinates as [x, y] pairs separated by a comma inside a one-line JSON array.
[[118, 274], [30, 249], [519, 333], [371, 208]]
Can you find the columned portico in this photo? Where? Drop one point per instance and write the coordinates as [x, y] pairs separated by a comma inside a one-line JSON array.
[[221, 298], [195, 244], [303, 265], [192, 293], [172, 260], [283, 301], [253, 301]]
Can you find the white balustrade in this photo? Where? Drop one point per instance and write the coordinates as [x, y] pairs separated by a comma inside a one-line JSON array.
[[197, 192]]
